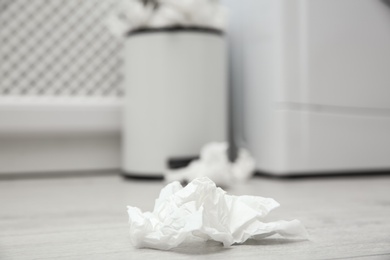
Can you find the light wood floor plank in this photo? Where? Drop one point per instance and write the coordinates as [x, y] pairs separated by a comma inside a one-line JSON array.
[[85, 218]]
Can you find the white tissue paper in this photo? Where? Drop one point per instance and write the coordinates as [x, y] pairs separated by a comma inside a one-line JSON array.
[[166, 16], [201, 210], [206, 13], [214, 164], [131, 15]]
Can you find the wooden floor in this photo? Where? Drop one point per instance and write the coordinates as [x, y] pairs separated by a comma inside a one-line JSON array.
[[85, 218]]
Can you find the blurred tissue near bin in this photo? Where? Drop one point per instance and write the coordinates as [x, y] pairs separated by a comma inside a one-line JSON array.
[[214, 164], [175, 81]]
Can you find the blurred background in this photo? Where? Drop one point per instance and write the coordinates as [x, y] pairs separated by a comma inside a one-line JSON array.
[[91, 90], [308, 82], [60, 86]]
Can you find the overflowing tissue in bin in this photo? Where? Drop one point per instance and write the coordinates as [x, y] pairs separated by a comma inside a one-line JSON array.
[[203, 211], [131, 15]]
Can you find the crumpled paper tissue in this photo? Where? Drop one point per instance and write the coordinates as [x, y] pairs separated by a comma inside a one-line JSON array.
[[130, 15], [214, 164], [203, 211]]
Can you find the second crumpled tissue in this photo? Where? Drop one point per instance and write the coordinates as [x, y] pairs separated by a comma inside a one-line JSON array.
[[214, 164], [203, 211]]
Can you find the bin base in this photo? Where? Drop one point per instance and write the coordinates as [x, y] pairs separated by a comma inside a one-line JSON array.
[[142, 176]]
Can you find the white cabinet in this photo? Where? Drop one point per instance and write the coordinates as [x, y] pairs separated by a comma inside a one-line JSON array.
[[312, 83], [348, 53]]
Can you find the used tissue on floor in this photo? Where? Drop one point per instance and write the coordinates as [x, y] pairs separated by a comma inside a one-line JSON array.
[[203, 211], [214, 164]]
